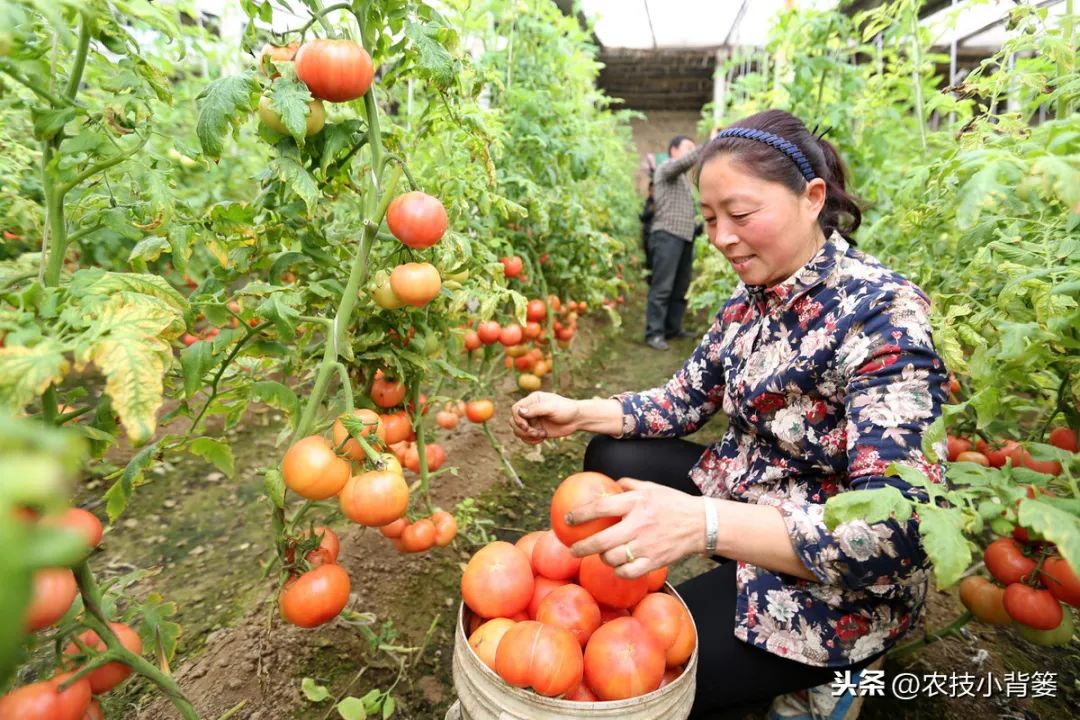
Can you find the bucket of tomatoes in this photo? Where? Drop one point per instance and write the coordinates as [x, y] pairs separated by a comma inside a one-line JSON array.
[[542, 634]]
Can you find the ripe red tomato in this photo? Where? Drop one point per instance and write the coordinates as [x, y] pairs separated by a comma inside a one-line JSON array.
[[607, 614], [1009, 450], [434, 453], [1006, 561], [527, 542], [416, 284], [536, 311], [542, 587], [683, 647], [372, 424], [600, 580], [1032, 607], [1064, 438], [657, 578], [312, 470], [417, 219], [532, 330], [445, 527], [53, 592], [315, 597], [419, 536], [662, 615], [393, 530], [43, 701], [498, 581], [78, 520], [956, 445], [326, 552], [623, 660], [488, 332], [511, 335], [984, 599], [335, 70], [397, 426], [472, 340], [486, 638], [1049, 467], [573, 492], [552, 559], [94, 712], [581, 693], [375, 498], [479, 411], [1060, 580], [973, 457], [547, 659], [108, 676], [572, 608], [512, 266], [386, 393]]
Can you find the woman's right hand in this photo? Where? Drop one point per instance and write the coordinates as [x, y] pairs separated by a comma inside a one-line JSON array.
[[544, 415]]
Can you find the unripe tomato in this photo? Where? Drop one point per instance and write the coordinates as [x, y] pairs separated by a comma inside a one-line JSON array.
[[108, 676], [479, 411], [488, 332], [315, 597], [417, 219], [335, 70], [486, 638], [447, 420], [1061, 635], [312, 470], [1032, 607], [529, 382], [54, 589], [316, 118], [386, 393], [275, 53], [573, 492], [375, 498], [383, 294], [973, 457], [416, 284], [984, 599], [1006, 561], [372, 424]]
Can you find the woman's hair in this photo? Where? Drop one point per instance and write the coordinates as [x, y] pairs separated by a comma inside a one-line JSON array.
[[841, 211]]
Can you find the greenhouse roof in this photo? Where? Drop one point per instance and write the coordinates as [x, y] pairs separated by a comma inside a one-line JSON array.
[[731, 23]]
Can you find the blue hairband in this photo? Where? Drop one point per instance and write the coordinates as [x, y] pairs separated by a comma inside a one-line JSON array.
[[788, 148]]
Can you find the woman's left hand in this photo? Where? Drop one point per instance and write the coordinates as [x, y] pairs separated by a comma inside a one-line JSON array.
[[659, 525]]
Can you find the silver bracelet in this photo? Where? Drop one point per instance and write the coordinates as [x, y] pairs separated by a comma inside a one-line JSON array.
[[712, 527]]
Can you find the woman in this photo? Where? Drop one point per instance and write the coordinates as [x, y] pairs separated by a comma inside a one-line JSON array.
[[823, 362]]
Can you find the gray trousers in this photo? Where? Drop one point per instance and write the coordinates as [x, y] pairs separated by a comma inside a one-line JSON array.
[[672, 264]]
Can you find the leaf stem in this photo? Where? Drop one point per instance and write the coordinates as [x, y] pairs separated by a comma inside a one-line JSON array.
[[502, 456]]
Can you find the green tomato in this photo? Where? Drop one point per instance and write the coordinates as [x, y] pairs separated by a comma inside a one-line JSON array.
[[315, 120], [1061, 635], [460, 276], [381, 292], [5, 44]]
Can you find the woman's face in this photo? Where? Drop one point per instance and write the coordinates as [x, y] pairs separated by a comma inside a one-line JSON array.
[[764, 230]]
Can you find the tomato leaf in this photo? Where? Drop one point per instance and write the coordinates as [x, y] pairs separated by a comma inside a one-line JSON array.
[[434, 62], [352, 709], [216, 452], [27, 372], [116, 497], [388, 707], [944, 542], [296, 177], [156, 629], [276, 395], [289, 99], [870, 505], [274, 485], [313, 691], [47, 123], [226, 103], [149, 249], [1054, 524], [195, 361]]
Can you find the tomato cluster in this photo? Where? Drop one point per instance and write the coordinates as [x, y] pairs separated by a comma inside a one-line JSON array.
[[53, 594], [569, 627]]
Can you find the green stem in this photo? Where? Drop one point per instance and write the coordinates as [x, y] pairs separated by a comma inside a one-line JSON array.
[[346, 385], [80, 58], [11, 72], [96, 620], [502, 456], [421, 441], [916, 78], [103, 165], [929, 637]]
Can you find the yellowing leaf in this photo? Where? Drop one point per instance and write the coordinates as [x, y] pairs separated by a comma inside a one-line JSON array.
[[133, 369], [27, 372]]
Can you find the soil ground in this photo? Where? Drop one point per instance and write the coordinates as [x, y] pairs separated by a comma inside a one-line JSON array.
[[207, 537]]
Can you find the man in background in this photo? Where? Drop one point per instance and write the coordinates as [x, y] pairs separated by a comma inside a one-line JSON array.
[[670, 244]]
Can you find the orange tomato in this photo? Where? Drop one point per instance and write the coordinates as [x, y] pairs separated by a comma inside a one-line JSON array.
[[312, 470], [375, 498], [372, 424]]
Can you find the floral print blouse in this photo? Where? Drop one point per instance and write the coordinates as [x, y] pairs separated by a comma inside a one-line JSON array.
[[827, 378]]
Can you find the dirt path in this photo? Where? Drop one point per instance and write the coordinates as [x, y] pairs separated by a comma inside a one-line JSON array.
[[208, 536]]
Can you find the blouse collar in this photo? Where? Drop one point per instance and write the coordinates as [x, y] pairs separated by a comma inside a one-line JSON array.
[[809, 276]]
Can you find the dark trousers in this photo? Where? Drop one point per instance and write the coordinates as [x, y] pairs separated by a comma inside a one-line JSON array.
[[672, 263], [730, 672]]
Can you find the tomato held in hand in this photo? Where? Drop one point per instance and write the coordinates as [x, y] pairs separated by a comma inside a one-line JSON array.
[[623, 660], [1032, 607], [600, 580], [312, 470], [1060, 580], [316, 597], [547, 659], [1006, 561], [984, 599], [335, 70], [573, 492], [417, 219], [498, 581]]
